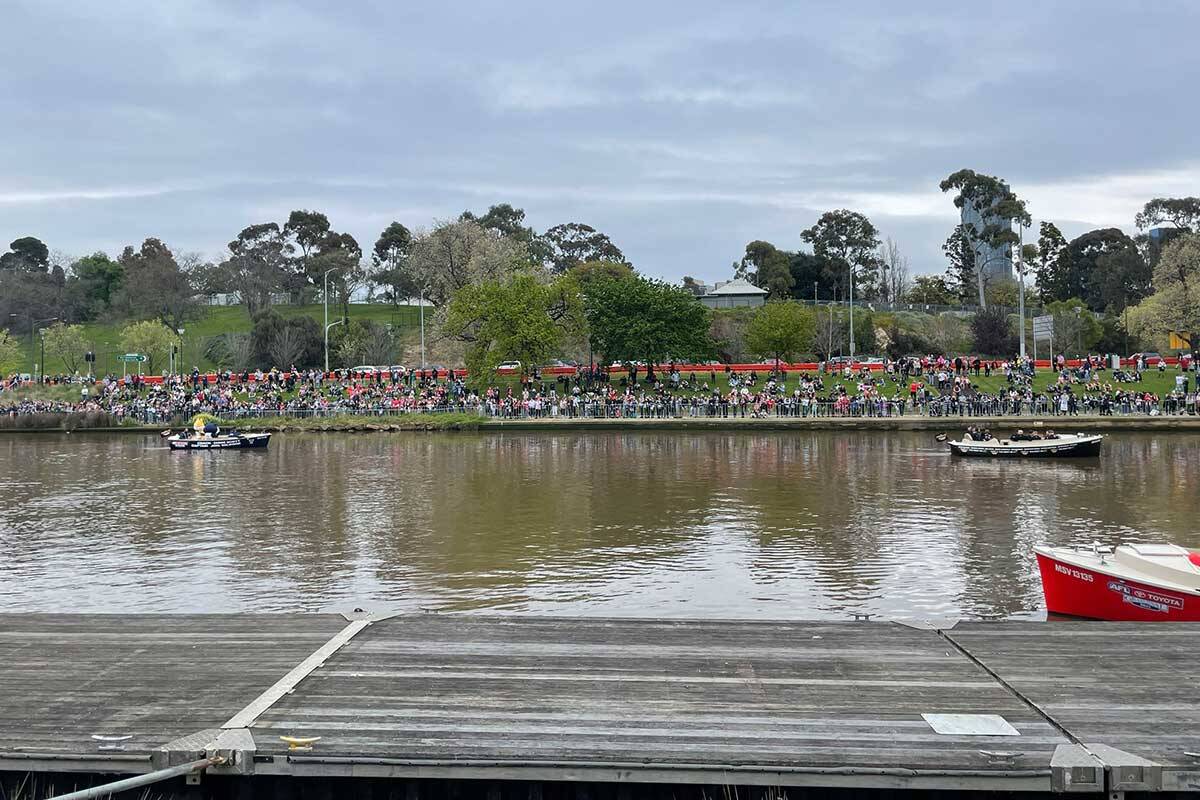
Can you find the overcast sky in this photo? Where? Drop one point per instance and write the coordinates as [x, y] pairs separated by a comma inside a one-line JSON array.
[[681, 130]]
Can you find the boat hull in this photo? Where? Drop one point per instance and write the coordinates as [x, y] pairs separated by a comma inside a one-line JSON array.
[[1080, 591], [1058, 448], [247, 441]]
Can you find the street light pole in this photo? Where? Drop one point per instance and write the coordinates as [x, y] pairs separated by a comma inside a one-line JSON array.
[[421, 306], [1021, 285], [325, 301], [182, 361], [852, 314], [327, 327], [33, 323], [1079, 330]]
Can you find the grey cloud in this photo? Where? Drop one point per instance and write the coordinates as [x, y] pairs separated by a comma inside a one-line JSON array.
[[682, 135]]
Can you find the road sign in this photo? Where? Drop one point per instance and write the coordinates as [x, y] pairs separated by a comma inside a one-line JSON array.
[[1043, 327], [131, 357]]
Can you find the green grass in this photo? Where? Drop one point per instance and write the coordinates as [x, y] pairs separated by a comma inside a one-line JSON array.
[[213, 321]]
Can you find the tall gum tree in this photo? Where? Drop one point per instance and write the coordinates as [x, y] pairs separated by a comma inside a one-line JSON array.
[[998, 209]]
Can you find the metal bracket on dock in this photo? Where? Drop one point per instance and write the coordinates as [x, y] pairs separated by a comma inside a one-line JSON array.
[[1127, 772], [1074, 769]]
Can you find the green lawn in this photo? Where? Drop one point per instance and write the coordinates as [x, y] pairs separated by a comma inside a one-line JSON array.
[[214, 321]]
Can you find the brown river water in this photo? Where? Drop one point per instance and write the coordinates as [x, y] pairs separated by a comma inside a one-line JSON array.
[[796, 525]]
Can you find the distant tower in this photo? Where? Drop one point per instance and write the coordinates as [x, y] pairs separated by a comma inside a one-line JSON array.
[[995, 263]]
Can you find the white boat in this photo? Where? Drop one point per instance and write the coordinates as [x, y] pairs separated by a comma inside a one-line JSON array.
[[1062, 445]]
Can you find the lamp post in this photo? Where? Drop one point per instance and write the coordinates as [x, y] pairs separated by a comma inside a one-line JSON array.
[[1020, 263], [1079, 330], [327, 327], [182, 361], [33, 323], [851, 314], [325, 301], [421, 307]]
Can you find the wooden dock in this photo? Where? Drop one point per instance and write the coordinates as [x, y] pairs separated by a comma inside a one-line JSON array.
[[1088, 707]]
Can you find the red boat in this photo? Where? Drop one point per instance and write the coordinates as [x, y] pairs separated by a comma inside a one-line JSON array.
[[1131, 583]]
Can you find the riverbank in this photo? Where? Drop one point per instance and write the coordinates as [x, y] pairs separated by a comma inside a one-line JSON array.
[[473, 422]]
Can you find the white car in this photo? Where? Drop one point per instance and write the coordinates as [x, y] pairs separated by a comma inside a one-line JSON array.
[[509, 366], [365, 369]]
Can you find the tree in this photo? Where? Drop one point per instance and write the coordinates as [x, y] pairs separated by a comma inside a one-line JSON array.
[[574, 243], [10, 351], [832, 332], [847, 242], [233, 351], [996, 208], [960, 252], [341, 256], [1121, 278], [931, 290], [992, 332], [894, 266], [808, 273], [1083, 277], [257, 266], [94, 283], [1175, 304], [68, 342], [287, 341], [768, 268], [781, 330], [27, 254], [390, 257], [1075, 327], [308, 231], [150, 338], [457, 254], [366, 342], [520, 317], [589, 272], [156, 285], [692, 285], [1179, 212], [1050, 264], [1005, 293], [640, 319]]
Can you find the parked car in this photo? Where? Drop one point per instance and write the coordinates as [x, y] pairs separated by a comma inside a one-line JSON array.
[[509, 367], [365, 369], [1150, 359]]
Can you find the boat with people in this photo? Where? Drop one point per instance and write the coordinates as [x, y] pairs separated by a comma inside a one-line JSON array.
[[1034, 444], [1133, 582], [206, 434]]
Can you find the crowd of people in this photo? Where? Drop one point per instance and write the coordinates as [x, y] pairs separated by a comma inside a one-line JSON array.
[[931, 385]]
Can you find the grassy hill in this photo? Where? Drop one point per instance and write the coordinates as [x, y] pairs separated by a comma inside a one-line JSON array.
[[214, 321]]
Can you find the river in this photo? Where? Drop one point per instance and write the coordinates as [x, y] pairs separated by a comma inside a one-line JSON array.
[[739, 524]]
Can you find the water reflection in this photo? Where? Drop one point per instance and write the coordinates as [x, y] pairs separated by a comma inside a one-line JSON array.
[[773, 524]]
